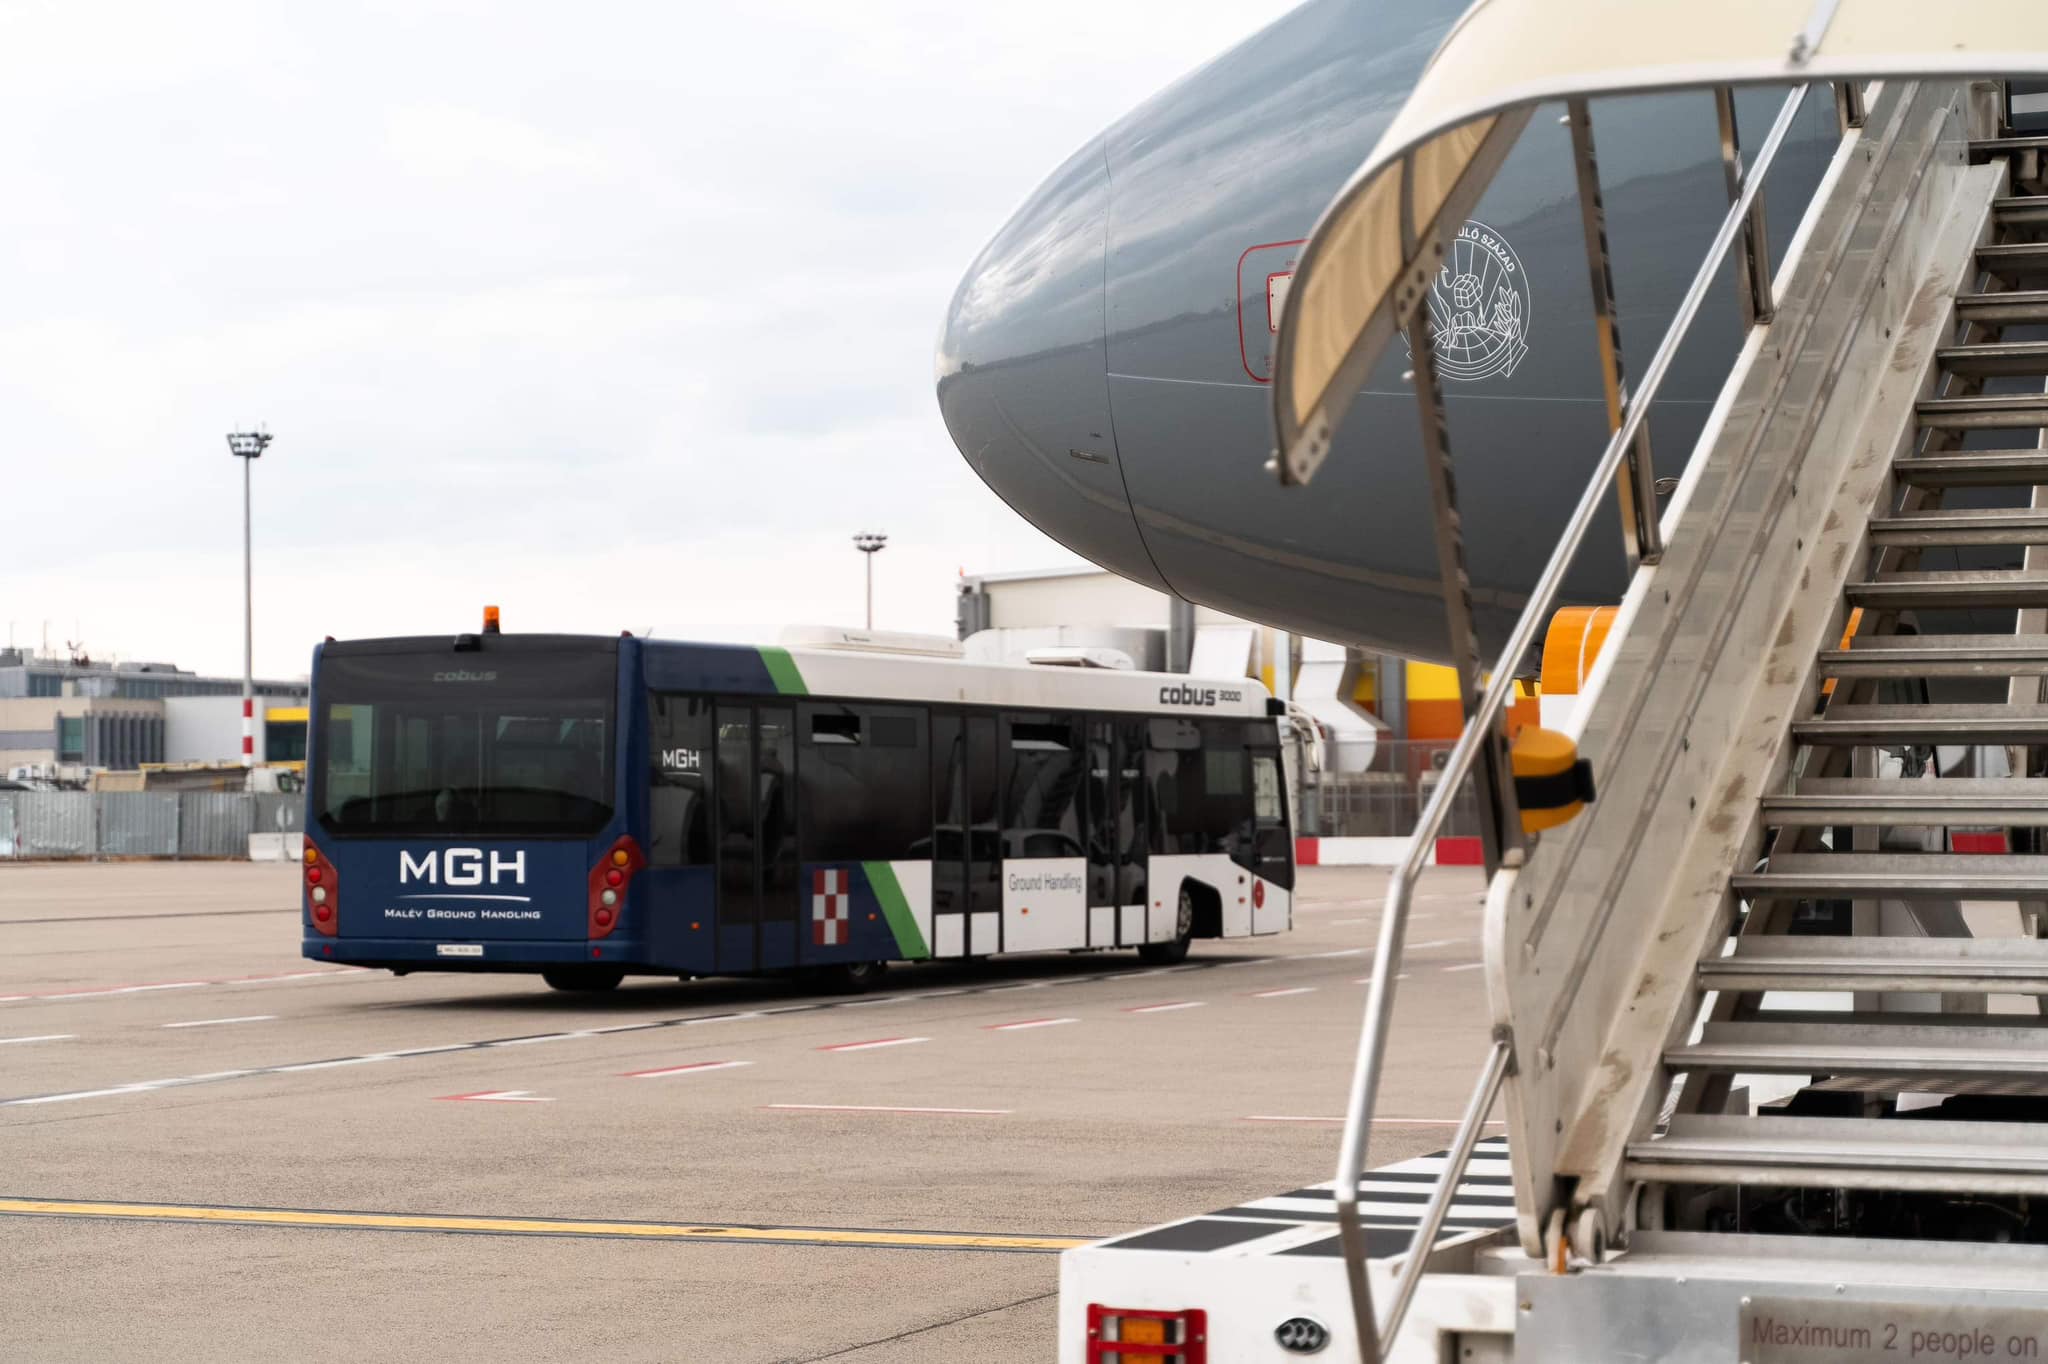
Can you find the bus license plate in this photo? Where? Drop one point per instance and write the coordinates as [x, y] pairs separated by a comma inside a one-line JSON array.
[[1834, 1331], [459, 949]]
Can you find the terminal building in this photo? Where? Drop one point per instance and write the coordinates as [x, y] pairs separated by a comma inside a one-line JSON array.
[[66, 715]]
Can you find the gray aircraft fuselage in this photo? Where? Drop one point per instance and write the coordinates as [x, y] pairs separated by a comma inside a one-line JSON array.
[[1104, 363]]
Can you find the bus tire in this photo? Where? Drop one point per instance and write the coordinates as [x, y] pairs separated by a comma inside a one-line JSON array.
[[847, 978], [584, 979], [1176, 950]]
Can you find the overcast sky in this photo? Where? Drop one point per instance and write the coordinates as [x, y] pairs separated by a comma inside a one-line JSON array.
[[619, 315]]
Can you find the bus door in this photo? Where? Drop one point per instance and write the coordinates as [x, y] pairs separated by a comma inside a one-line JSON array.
[[757, 872], [1116, 832], [966, 836]]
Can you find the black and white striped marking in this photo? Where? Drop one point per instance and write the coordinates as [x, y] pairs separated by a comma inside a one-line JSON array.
[[1392, 1201]]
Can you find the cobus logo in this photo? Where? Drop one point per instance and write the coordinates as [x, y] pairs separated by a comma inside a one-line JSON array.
[[1187, 696], [462, 867], [464, 675]]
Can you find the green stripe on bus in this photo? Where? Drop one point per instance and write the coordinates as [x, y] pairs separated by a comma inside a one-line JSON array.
[[782, 669], [910, 944]]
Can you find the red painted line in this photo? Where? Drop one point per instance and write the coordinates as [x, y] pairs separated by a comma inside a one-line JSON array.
[[683, 1070], [877, 1108], [1164, 1008], [877, 1042], [1030, 1023]]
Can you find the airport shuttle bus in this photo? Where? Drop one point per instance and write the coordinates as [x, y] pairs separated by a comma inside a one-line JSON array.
[[589, 808]]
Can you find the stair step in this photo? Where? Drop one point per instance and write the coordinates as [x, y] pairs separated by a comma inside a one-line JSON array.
[[1998, 801], [1976, 468], [1996, 359], [1983, 526], [1989, 148], [1956, 965], [2012, 308], [1905, 1052], [1990, 588], [1990, 412], [1971, 722], [2026, 210], [1931, 1156], [2015, 260], [1897, 876], [1938, 656]]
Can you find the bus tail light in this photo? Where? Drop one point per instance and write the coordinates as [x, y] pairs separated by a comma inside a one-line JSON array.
[[323, 890], [610, 879], [1133, 1335]]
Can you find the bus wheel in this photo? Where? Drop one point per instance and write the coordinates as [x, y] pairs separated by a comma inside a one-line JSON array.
[[1168, 953], [852, 977], [584, 978]]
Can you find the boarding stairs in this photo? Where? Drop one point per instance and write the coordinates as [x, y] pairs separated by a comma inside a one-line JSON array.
[[1916, 1040], [1759, 1019]]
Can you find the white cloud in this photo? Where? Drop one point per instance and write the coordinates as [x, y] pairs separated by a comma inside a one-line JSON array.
[[617, 316]]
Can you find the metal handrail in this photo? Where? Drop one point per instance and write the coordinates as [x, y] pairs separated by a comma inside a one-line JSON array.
[[1376, 1339]]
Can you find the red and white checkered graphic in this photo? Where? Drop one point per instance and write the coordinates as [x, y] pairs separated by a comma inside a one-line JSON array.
[[828, 908]]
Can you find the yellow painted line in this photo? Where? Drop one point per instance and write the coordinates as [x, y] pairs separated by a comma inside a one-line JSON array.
[[526, 1226]]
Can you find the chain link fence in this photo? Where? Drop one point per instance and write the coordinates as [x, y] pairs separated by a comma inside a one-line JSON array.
[[85, 824], [1386, 800]]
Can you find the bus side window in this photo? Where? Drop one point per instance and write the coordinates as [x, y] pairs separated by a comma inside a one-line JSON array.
[[1042, 796], [678, 781], [866, 782]]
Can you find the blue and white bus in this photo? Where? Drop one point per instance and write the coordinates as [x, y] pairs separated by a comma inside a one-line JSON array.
[[589, 808]]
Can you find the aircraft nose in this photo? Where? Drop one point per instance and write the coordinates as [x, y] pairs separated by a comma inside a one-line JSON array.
[[1021, 370]]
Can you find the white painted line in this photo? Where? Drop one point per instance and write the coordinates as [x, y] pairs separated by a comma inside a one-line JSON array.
[[878, 1042], [1435, 942], [1367, 980], [1318, 956], [1342, 923], [211, 1022], [45, 1037], [694, 1068], [1467, 966], [878, 1108], [1165, 1008], [1284, 1117], [1290, 990], [1030, 1023], [106, 991], [500, 1096], [120, 990]]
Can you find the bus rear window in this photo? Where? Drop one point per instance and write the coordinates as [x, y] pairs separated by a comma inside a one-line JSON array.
[[506, 744]]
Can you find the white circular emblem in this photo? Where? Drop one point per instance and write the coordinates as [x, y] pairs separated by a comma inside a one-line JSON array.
[[1479, 307]]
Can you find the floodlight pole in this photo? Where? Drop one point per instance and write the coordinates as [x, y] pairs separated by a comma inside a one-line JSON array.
[[870, 543], [248, 447]]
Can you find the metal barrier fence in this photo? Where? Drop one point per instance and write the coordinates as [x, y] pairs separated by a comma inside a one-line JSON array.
[[1386, 800], [1381, 803], [55, 824]]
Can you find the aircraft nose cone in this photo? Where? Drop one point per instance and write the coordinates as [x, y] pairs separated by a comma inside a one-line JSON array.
[[1021, 372]]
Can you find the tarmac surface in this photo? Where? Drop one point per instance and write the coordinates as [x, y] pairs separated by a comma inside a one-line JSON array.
[[214, 1149]]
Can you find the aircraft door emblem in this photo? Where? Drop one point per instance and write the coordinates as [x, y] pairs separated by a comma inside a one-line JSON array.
[[1479, 307]]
